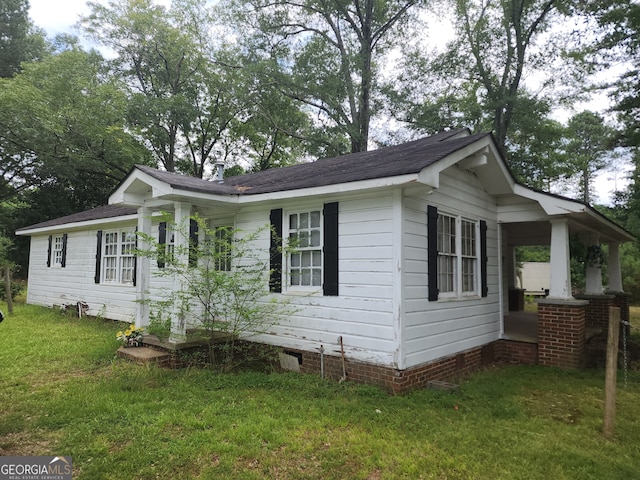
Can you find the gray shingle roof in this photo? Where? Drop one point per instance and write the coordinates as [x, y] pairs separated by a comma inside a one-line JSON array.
[[407, 158], [106, 211]]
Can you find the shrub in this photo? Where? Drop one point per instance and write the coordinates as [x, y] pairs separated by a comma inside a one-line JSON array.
[[16, 289]]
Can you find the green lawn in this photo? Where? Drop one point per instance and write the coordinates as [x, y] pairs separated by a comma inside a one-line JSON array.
[[62, 392]]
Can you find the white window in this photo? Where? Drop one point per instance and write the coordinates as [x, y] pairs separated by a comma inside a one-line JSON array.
[[305, 261], [222, 254], [118, 259], [57, 251], [457, 256]]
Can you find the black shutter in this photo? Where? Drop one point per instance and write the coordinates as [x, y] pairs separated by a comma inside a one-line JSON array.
[[49, 251], [162, 240], [63, 261], [135, 260], [483, 257], [275, 251], [98, 255], [432, 252], [193, 242], [330, 284]]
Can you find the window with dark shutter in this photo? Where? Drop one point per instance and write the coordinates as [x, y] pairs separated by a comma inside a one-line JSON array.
[[432, 252], [63, 260], [49, 251], [98, 255], [275, 251], [330, 284], [193, 242], [162, 240], [483, 258]]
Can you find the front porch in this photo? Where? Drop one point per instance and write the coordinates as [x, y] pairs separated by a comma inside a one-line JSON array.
[[558, 333]]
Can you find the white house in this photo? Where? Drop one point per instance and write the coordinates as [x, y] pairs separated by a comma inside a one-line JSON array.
[[411, 260]]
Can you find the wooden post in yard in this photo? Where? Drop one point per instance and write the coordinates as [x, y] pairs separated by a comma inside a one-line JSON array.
[[611, 372]]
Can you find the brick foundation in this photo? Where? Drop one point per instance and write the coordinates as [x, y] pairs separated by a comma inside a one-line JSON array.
[[561, 332], [525, 353], [394, 380], [621, 300]]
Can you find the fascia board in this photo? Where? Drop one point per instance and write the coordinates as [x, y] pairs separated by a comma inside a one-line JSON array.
[[73, 226], [486, 151], [122, 195], [175, 195]]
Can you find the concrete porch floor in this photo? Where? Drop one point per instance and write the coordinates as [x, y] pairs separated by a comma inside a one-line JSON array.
[[523, 327]]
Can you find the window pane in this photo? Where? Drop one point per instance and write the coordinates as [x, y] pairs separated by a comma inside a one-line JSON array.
[[293, 222], [306, 277], [315, 238], [317, 259], [304, 220], [295, 259], [295, 277], [468, 274], [315, 219], [317, 277], [303, 239]]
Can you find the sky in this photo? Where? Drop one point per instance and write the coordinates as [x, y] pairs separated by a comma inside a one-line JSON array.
[[61, 16]]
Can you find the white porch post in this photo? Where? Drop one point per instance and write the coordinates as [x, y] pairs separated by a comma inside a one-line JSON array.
[[143, 265], [615, 274], [560, 287], [182, 212], [593, 272]]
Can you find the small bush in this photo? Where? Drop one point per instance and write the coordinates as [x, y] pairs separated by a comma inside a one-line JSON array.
[[16, 289]]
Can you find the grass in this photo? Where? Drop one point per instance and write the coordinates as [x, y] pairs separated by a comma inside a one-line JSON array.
[[64, 393]]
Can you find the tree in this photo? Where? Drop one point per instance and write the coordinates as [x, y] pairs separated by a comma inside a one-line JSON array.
[[223, 285], [479, 79], [616, 42], [589, 140], [20, 41], [156, 60], [324, 54], [62, 128]]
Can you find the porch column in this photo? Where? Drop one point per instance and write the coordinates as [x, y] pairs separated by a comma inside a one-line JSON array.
[[143, 269], [182, 212], [593, 270], [560, 287], [615, 274]]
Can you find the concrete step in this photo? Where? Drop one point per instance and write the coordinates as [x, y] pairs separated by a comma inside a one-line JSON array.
[[144, 355]]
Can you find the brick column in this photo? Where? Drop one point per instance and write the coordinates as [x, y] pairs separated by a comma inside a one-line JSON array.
[[561, 332], [621, 299], [598, 310]]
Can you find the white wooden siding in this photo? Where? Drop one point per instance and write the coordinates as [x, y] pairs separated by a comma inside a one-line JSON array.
[[75, 282], [363, 312], [432, 330]]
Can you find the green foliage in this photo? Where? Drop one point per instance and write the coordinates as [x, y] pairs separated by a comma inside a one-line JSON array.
[[589, 139], [327, 56], [222, 286], [16, 289], [20, 40]]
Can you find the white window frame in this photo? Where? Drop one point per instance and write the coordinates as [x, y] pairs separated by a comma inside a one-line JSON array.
[[458, 255], [304, 257], [118, 256], [57, 250], [219, 229]]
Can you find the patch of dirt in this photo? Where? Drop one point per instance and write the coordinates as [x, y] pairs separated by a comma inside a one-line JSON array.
[[21, 444]]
